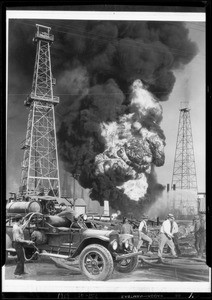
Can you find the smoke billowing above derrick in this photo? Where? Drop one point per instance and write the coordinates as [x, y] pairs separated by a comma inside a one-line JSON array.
[[116, 74]]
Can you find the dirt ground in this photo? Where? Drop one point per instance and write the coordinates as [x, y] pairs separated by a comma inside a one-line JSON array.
[[185, 268]]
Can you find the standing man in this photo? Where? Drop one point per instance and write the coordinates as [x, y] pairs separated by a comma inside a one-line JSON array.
[[142, 234], [203, 235], [18, 244], [175, 238], [166, 237], [199, 233]]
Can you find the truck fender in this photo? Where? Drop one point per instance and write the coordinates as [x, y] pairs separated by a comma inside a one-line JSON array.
[[90, 240]]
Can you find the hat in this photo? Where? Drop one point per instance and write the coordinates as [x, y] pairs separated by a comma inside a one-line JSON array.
[[125, 219], [17, 217], [170, 216], [144, 217]]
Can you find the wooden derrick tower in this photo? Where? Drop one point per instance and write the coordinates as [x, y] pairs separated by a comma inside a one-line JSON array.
[[40, 170]]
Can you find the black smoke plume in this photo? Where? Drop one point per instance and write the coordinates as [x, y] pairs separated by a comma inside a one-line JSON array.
[[96, 64], [112, 56]]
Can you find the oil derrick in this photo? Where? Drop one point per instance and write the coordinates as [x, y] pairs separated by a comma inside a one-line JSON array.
[[184, 171], [40, 170]]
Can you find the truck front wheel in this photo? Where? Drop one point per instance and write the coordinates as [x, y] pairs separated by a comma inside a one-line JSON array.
[[96, 262]]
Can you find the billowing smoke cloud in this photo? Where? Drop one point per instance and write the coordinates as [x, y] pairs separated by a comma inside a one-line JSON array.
[[111, 77], [113, 139]]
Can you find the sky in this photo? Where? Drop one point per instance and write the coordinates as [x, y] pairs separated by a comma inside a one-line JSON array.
[[194, 92], [189, 85]]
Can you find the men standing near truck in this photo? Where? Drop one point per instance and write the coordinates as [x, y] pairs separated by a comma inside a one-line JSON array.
[[166, 236], [142, 234], [18, 244]]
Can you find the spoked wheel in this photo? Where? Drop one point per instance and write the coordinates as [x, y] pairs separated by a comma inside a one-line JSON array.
[[96, 262], [127, 265]]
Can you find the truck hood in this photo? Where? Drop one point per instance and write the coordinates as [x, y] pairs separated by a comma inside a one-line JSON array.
[[96, 233]]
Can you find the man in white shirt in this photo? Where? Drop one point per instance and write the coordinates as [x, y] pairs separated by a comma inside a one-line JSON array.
[[175, 238], [142, 231], [166, 235]]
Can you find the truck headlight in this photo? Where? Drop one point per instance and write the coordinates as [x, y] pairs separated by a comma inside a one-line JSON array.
[[114, 244]]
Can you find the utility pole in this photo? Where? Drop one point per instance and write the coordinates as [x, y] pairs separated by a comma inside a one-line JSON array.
[[40, 169]]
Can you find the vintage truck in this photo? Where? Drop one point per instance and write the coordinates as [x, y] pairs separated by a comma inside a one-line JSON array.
[[98, 252]]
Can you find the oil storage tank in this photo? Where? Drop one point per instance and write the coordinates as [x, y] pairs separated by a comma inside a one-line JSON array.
[[22, 207]]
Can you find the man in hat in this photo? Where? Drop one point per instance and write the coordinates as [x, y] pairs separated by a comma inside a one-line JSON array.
[[142, 234], [18, 244], [199, 234], [66, 212], [166, 237]]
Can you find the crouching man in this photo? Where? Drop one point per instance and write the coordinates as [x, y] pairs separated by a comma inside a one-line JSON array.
[[127, 229], [142, 234]]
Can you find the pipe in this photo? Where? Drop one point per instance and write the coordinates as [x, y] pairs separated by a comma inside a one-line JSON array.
[[54, 255]]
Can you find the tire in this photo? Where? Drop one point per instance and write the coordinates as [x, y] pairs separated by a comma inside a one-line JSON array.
[[96, 262], [127, 265]]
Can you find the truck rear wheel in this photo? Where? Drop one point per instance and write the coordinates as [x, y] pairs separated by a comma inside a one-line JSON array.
[[126, 265], [96, 262]]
